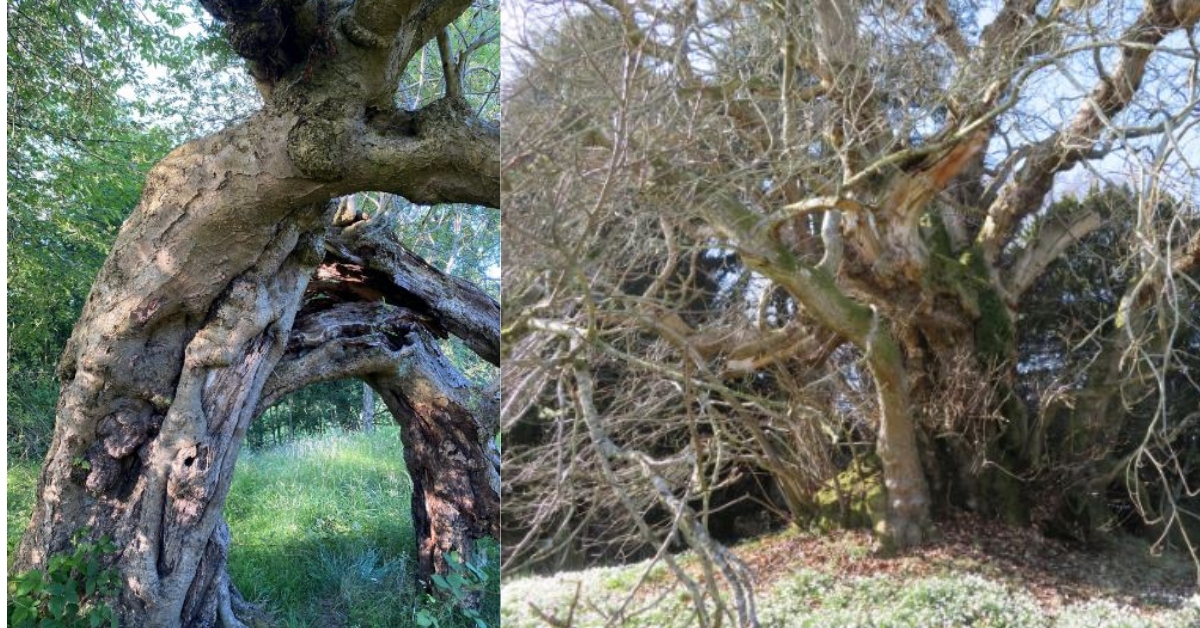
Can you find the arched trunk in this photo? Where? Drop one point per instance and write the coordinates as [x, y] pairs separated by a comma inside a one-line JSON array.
[[389, 341], [451, 456], [193, 310], [161, 378]]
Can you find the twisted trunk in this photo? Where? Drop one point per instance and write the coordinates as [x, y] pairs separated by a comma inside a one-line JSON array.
[[192, 312]]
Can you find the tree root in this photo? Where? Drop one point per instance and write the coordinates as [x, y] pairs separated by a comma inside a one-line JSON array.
[[235, 612]]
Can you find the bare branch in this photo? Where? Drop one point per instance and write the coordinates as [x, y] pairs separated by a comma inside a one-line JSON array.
[[450, 70], [1052, 241], [938, 12], [1062, 150]]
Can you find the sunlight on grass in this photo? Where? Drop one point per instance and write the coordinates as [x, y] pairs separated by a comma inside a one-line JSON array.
[[22, 484], [321, 532], [815, 599], [322, 525]]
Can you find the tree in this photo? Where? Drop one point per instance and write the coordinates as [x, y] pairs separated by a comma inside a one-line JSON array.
[[77, 155], [236, 280], [788, 235]]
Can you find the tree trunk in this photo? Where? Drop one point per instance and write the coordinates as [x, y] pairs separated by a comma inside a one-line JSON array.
[[368, 408], [452, 460], [387, 339], [192, 311], [908, 490]]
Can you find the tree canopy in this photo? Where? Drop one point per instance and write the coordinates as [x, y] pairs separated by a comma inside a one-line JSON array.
[[899, 258]]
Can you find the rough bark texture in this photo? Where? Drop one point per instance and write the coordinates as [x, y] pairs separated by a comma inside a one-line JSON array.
[[447, 426], [908, 492], [347, 331], [193, 310], [451, 455]]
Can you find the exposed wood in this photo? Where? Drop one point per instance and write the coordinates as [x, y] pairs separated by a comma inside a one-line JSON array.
[[194, 307]]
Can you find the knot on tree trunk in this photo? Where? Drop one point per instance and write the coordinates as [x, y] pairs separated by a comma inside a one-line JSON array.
[[315, 145]]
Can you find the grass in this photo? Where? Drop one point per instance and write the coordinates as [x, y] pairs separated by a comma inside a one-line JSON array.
[[836, 580], [321, 533], [22, 484]]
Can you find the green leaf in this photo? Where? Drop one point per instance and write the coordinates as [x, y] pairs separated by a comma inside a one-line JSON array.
[[29, 582], [57, 606], [20, 615]]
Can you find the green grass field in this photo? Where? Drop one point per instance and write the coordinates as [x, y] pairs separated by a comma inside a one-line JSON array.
[[321, 533]]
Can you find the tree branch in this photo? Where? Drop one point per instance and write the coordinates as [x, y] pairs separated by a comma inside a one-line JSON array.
[[939, 14], [442, 153], [350, 340], [1051, 242], [449, 67], [456, 304], [1024, 194]]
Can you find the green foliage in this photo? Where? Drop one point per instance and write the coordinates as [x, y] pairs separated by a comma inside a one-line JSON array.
[[71, 592], [423, 81], [969, 600], [1109, 613], [1078, 292], [21, 481], [994, 331], [299, 511], [320, 529], [32, 396], [91, 91], [368, 587], [314, 410], [828, 598], [464, 582]]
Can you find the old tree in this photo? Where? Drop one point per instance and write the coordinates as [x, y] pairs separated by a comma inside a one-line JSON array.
[[237, 280], [950, 246]]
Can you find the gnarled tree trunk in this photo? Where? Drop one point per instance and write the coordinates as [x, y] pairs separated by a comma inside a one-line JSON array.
[[191, 314]]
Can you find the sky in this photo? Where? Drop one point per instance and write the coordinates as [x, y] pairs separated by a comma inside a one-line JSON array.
[[1055, 95]]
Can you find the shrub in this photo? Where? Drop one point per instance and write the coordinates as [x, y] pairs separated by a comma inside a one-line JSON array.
[[464, 583], [70, 592]]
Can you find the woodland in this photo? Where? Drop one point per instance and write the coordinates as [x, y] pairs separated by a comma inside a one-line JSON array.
[[236, 229], [866, 264]]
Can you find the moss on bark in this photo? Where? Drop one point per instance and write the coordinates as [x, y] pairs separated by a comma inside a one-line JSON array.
[[855, 498]]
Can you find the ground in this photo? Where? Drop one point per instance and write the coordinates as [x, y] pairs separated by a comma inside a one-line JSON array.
[[322, 535], [975, 573]]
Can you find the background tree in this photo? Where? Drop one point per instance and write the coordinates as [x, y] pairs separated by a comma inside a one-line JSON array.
[[78, 151], [790, 237], [187, 333]]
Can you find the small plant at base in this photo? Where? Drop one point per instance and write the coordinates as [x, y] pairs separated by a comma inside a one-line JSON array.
[[70, 592], [464, 582]]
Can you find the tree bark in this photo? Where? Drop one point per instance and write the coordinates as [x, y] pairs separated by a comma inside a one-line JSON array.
[[193, 310], [447, 425], [908, 491]]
